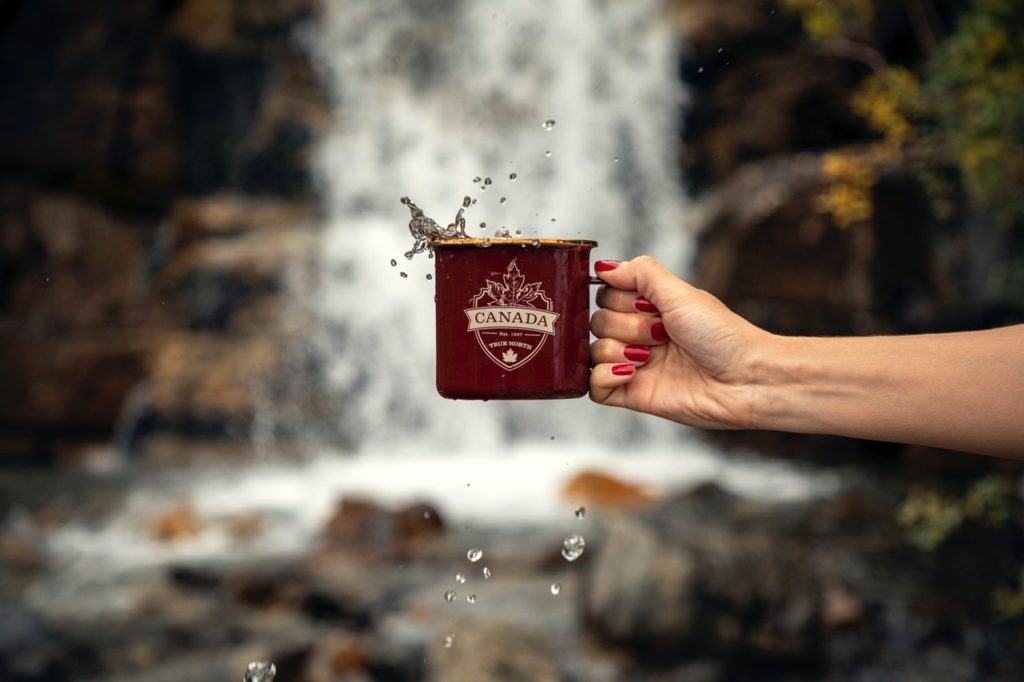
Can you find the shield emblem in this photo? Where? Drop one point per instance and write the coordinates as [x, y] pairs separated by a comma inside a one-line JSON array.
[[511, 319]]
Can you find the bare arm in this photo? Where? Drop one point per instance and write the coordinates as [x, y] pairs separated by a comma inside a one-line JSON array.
[[962, 391], [681, 354]]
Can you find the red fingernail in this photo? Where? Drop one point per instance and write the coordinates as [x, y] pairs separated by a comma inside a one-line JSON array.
[[606, 265], [658, 332], [637, 353], [645, 306], [623, 370]]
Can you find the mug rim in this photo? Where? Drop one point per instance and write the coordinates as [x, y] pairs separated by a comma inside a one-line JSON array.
[[516, 241]]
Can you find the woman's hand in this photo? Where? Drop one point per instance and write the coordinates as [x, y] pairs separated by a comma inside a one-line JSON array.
[[667, 348]]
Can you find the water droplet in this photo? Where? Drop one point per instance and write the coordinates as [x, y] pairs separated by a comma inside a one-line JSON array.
[[404, 274], [259, 671], [580, 512], [471, 598], [466, 201], [700, 70], [483, 226], [473, 202], [503, 233], [475, 554], [502, 200], [555, 588], [429, 277], [519, 233], [449, 596], [393, 262], [615, 160], [535, 242], [487, 573], [459, 578], [547, 153], [720, 50], [572, 547], [426, 514], [513, 177], [476, 179], [449, 640], [548, 124], [553, 220], [487, 181]]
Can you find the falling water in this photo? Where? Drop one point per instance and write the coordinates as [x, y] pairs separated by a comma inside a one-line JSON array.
[[433, 96]]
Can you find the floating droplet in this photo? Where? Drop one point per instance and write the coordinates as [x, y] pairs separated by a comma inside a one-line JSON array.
[[720, 50], [502, 200], [519, 233], [476, 179], [466, 201], [449, 596], [513, 177], [548, 124], [475, 554], [547, 153], [259, 671], [449, 640], [572, 547], [555, 588], [503, 233], [429, 277], [404, 274], [487, 573], [700, 70], [473, 202], [535, 242], [393, 262], [471, 598], [483, 226], [615, 160], [487, 181], [580, 512], [553, 220], [459, 578]]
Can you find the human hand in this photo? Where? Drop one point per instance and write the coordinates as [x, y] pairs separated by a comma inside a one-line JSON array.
[[667, 348]]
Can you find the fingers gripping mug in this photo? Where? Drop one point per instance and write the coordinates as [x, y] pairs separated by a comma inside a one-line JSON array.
[[512, 317]]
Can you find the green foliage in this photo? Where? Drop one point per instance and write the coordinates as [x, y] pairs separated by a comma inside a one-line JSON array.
[[960, 108], [975, 82], [930, 518]]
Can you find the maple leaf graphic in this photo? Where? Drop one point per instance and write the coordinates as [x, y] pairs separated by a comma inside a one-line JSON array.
[[512, 289], [509, 357]]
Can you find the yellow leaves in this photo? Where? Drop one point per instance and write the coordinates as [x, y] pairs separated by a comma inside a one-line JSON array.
[[828, 19], [847, 195], [930, 518], [888, 100]]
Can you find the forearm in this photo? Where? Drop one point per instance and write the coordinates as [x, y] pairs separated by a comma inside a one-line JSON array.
[[962, 391]]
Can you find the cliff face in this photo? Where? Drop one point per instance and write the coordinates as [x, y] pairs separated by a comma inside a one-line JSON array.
[[767, 106], [155, 195]]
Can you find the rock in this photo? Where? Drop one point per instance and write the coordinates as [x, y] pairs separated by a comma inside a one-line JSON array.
[[337, 655], [359, 527], [180, 522], [494, 651], [670, 586], [597, 489]]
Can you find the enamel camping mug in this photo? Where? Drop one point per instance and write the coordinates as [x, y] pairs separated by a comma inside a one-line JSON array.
[[513, 318]]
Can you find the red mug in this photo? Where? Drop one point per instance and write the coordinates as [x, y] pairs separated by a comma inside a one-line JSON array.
[[512, 318]]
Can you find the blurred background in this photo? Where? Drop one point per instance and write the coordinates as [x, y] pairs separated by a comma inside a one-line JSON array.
[[219, 437]]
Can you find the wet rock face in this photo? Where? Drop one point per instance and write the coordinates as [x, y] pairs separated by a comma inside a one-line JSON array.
[[133, 254], [714, 591]]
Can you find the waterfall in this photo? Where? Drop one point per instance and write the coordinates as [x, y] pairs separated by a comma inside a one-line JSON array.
[[429, 95]]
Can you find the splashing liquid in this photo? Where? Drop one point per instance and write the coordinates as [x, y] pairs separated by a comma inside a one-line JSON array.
[[425, 230], [260, 671]]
